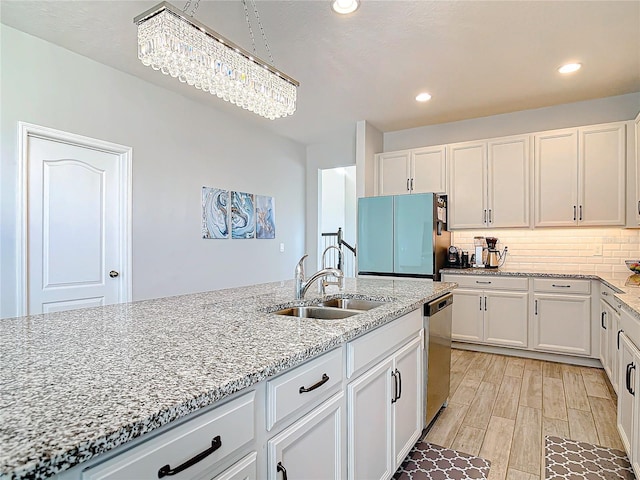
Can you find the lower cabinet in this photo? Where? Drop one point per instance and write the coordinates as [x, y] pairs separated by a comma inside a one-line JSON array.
[[497, 316], [312, 447], [245, 469], [609, 344], [384, 408], [562, 323], [627, 405]]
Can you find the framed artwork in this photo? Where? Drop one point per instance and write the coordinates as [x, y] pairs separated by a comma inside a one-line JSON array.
[[265, 217], [243, 223], [215, 213]]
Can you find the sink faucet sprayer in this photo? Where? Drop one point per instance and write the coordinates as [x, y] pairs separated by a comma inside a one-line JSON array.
[[302, 284]]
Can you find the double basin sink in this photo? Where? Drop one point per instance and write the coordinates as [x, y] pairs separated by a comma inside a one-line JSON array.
[[334, 309]]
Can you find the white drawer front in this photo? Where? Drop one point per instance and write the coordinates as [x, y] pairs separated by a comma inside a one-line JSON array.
[[374, 345], [232, 422], [562, 285], [303, 387], [245, 469], [489, 282]]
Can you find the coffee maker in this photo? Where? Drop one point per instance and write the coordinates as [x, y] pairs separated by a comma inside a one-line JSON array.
[[495, 258]]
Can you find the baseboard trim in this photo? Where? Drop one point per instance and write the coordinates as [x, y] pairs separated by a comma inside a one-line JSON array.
[[513, 352]]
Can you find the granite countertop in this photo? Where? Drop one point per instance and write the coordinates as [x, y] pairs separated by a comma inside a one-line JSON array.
[[79, 383], [626, 286]]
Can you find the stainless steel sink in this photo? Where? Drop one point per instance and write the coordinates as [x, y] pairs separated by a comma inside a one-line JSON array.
[[352, 303], [321, 313]]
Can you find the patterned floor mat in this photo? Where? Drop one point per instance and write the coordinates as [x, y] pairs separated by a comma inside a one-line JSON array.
[[567, 459], [427, 461]]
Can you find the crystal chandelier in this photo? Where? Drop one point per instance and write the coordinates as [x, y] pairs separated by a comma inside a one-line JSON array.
[[177, 45]]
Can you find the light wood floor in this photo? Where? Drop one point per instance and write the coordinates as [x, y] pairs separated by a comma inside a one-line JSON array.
[[500, 408]]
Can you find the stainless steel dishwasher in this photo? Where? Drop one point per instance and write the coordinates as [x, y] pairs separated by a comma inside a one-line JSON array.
[[437, 323]]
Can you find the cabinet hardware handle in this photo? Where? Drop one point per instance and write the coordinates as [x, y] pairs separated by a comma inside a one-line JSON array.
[[606, 294], [580, 213], [574, 213], [478, 281], [410, 190], [602, 320], [619, 332], [480, 302], [216, 443], [638, 207], [630, 367], [490, 217], [561, 286], [399, 376], [114, 274], [325, 379], [485, 304], [484, 216], [412, 184], [535, 307], [395, 387], [280, 468]]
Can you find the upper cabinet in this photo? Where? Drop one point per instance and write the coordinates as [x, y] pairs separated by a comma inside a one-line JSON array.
[[637, 161], [489, 183], [580, 176], [420, 170]]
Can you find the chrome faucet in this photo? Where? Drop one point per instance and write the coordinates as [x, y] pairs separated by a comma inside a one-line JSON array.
[[302, 284]]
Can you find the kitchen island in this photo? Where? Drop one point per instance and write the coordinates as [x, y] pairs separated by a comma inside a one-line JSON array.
[[77, 384]]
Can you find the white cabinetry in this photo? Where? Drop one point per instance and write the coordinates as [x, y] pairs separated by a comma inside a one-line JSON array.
[[628, 404], [580, 176], [191, 450], [562, 321], [490, 309], [390, 392], [489, 183], [636, 125], [312, 447], [420, 170], [609, 333]]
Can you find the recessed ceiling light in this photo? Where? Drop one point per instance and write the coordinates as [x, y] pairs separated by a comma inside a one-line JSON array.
[[423, 97], [570, 68], [345, 6]]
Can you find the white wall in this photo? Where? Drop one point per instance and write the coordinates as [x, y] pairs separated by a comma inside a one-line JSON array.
[[333, 199], [178, 146], [338, 151], [369, 142], [602, 110]]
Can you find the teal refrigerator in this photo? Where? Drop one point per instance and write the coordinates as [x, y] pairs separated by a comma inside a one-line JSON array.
[[403, 235]]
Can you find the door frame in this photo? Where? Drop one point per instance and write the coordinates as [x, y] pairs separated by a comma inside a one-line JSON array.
[[26, 130]]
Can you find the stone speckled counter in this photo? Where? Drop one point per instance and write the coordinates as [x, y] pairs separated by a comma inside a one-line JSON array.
[[76, 384], [626, 285]]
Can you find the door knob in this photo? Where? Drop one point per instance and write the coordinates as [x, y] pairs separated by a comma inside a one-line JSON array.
[[113, 274]]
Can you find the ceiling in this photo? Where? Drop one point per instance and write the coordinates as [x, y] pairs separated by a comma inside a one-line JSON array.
[[476, 58]]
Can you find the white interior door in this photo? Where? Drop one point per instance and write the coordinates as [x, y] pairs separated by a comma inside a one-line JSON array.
[[76, 253]]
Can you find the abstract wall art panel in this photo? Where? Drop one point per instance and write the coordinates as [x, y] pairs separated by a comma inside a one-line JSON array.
[[265, 217], [215, 213], [243, 222]]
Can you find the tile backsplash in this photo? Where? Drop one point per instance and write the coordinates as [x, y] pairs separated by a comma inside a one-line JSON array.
[[579, 250]]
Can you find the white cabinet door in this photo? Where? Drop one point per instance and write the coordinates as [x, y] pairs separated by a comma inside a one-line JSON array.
[[614, 350], [562, 323], [467, 185], [407, 411], [311, 448], [506, 318], [508, 182], [602, 167], [394, 172], [428, 170], [627, 379], [468, 314], [370, 428], [604, 344], [556, 178]]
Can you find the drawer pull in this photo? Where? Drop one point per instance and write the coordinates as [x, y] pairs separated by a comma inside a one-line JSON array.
[[619, 332], [325, 379], [280, 468], [395, 387], [399, 385], [216, 443], [561, 286], [606, 294], [487, 282], [604, 314]]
